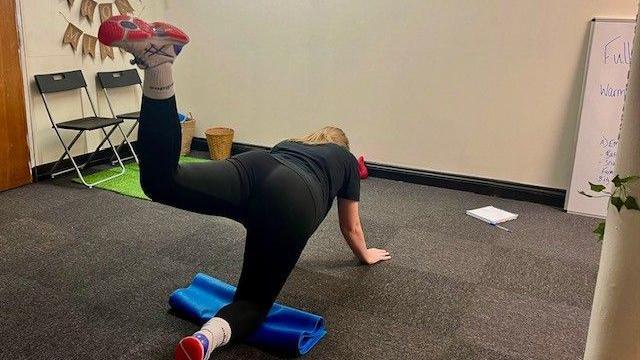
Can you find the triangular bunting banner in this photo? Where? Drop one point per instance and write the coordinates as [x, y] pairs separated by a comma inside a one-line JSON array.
[[106, 11], [89, 45], [124, 7], [73, 33], [105, 52], [88, 8], [72, 36]]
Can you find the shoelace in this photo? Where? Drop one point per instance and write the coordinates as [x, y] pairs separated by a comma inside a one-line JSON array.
[[139, 61], [152, 50]]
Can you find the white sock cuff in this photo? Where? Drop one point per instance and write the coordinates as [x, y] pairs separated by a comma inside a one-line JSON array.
[[158, 82], [219, 329]]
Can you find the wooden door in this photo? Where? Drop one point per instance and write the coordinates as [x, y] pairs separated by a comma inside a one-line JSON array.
[[14, 148]]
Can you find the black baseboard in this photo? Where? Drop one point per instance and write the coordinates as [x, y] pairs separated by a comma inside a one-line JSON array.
[[43, 172], [503, 189]]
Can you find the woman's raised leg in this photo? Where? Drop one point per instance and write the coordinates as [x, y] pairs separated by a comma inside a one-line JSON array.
[[213, 187]]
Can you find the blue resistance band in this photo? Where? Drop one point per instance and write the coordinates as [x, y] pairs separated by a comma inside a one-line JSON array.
[[285, 331]]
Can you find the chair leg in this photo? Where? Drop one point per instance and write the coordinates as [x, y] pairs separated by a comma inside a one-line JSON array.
[[66, 152], [135, 156], [78, 169], [126, 141], [122, 168], [73, 161], [112, 158], [115, 152], [98, 147]]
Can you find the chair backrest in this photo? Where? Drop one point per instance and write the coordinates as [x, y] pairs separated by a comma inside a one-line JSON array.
[[64, 81], [116, 79]]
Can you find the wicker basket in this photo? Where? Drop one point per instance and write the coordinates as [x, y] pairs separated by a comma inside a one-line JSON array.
[[219, 141], [188, 129]]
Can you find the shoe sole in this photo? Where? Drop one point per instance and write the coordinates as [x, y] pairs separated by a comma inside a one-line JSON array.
[[118, 30], [189, 348], [168, 30]]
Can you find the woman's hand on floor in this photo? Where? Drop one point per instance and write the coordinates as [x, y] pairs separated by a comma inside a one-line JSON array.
[[373, 255]]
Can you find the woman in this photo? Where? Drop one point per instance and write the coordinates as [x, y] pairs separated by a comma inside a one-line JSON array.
[[280, 196]]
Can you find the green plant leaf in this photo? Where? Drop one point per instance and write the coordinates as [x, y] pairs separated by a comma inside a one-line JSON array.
[[631, 203], [585, 194], [617, 202], [629, 179], [599, 231], [597, 187], [617, 181]]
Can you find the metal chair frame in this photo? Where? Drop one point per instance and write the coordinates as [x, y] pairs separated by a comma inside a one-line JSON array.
[[121, 79], [46, 85]]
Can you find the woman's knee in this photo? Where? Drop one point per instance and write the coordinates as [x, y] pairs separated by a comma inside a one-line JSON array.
[[244, 317], [156, 189]]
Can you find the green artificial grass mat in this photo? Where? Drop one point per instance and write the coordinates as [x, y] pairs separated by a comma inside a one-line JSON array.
[[129, 183]]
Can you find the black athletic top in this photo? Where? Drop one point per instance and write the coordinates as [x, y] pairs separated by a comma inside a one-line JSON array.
[[329, 169]]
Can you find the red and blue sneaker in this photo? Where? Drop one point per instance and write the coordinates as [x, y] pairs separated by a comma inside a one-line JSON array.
[[194, 347], [150, 44]]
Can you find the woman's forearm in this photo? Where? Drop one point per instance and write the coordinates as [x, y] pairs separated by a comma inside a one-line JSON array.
[[354, 236], [355, 240]]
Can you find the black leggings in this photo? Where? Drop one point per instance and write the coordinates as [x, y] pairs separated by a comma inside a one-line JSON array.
[[272, 201]]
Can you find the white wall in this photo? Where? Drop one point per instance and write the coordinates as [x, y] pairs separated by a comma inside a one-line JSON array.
[[42, 30], [487, 88]]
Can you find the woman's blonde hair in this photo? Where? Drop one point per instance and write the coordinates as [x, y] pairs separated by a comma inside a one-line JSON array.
[[328, 134]]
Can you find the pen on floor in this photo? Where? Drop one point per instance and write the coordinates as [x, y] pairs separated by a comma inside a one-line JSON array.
[[501, 227]]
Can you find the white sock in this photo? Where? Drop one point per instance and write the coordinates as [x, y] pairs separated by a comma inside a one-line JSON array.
[[158, 82], [218, 333]]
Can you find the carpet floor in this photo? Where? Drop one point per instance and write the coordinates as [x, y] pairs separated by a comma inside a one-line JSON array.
[[86, 273]]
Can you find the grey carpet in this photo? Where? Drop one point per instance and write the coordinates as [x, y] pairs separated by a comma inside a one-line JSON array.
[[85, 274]]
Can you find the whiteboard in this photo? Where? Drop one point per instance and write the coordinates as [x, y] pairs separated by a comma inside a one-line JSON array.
[[603, 95]]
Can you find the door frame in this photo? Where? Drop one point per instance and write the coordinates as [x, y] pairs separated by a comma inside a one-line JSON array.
[[25, 85]]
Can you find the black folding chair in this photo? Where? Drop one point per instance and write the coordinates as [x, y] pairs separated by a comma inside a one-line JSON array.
[[74, 80], [120, 79]]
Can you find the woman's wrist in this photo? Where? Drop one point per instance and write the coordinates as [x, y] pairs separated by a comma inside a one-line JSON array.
[[361, 252], [359, 246]]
